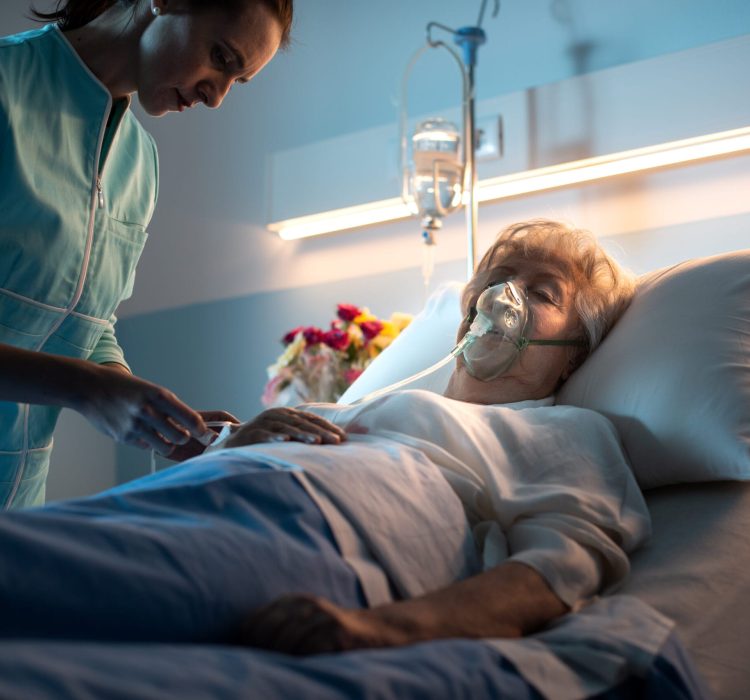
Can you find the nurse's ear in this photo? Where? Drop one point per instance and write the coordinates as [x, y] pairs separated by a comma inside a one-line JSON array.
[[158, 7]]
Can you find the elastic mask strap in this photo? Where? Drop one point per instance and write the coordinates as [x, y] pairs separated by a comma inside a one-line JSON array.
[[525, 342]]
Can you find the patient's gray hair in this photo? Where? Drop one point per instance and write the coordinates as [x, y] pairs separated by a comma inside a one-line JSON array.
[[603, 289]]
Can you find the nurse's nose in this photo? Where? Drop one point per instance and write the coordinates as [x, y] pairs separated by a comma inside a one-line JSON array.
[[218, 91], [222, 88]]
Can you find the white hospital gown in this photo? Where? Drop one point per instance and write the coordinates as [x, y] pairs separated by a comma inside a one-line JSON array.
[[545, 485]]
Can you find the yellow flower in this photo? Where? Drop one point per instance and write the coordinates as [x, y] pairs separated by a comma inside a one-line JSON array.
[[401, 320], [291, 352], [389, 330], [365, 316], [381, 342], [356, 335]]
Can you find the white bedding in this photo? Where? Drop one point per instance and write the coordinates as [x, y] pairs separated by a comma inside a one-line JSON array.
[[544, 485]]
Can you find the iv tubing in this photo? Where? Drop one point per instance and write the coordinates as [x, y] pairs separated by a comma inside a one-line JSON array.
[[478, 328], [397, 385]]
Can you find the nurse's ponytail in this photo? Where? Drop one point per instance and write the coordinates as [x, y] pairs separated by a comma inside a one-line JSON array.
[[71, 14]]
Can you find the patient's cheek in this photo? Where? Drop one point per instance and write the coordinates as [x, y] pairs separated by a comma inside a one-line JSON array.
[[357, 429]]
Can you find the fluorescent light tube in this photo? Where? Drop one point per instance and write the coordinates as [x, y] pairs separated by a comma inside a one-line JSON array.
[[502, 187]]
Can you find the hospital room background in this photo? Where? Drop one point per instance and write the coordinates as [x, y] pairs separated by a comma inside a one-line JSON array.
[[317, 130]]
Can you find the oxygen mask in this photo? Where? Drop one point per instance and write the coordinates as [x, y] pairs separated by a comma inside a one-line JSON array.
[[497, 335], [497, 332]]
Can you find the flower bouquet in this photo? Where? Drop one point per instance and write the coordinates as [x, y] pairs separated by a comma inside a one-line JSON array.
[[319, 365]]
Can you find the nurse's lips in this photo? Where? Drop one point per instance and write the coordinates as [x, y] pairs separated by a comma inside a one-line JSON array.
[[182, 103]]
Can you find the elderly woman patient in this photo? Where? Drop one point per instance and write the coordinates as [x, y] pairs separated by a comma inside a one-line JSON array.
[[486, 512]]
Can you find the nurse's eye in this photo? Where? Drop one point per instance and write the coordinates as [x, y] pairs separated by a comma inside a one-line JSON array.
[[220, 58]]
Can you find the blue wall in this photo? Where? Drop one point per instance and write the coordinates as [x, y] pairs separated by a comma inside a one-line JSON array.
[[344, 68]]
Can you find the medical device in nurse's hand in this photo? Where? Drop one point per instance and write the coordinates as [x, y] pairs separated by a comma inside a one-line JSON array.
[[218, 431]]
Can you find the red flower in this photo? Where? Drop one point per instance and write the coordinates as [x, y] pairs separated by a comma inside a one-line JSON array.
[[351, 374], [289, 337], [371, 328], [336, 339], [313, 335], [347, 312]]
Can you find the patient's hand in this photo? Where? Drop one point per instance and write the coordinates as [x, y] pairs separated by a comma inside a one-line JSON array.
[[305, 624], [285, 424], [509, 600]]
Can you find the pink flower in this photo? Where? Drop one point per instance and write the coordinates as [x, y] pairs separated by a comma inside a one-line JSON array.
[[351, 374], [272, 389], [336, 339], [313, 335], [371, 328], [347, 312], [291, 335]]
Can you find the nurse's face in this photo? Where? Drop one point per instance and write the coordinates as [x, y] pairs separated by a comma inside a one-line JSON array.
[[187, 57], [539, 368]]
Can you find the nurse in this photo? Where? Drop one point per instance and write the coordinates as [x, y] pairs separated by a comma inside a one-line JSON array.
[[79, 186]]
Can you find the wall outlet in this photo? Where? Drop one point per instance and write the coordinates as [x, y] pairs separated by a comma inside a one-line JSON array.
[[489, 139]]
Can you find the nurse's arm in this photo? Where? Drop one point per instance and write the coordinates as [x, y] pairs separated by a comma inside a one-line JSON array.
[[128, 409]]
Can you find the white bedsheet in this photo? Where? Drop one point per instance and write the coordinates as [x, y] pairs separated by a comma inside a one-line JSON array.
[[590, 651], [544, 485]]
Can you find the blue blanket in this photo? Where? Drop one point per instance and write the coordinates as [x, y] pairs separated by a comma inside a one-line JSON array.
[[125, 594], [441, 670]]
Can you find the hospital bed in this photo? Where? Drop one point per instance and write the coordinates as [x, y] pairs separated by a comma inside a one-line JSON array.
[[673, 629], [674, 377]]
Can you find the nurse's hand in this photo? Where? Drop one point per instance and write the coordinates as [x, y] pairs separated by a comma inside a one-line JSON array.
[[136, 412], [286, 424]]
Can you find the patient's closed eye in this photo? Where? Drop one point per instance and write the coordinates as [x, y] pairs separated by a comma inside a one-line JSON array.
[[544, 294]]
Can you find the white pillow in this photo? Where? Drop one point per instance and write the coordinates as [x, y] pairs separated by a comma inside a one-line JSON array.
[[429, 337], [674, 373]]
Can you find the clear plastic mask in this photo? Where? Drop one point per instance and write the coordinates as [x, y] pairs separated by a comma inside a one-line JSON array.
[[498, 332]]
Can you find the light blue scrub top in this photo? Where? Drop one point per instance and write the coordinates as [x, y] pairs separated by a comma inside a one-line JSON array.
[[76, 196]]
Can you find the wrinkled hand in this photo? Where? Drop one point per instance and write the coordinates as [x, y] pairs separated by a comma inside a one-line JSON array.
[[193, 447], [137, 412], [302, 624], [284, 424]]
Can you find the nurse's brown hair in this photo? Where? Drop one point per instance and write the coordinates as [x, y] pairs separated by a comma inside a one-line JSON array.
[[72, 14]]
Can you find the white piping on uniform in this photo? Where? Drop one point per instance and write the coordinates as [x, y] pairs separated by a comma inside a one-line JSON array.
[[56, 309], [10, 453]]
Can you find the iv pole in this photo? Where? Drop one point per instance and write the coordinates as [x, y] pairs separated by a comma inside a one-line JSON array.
[[469, 39]]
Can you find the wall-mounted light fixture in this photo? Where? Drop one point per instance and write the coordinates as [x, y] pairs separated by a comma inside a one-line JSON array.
[[505, 186]]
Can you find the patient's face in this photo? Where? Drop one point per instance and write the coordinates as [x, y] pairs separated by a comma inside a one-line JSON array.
[[540, 368]]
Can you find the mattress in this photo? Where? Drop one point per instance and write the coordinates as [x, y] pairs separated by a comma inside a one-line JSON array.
[[696, 570]]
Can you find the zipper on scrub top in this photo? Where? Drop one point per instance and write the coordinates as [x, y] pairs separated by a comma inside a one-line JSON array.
[[100, 192]]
